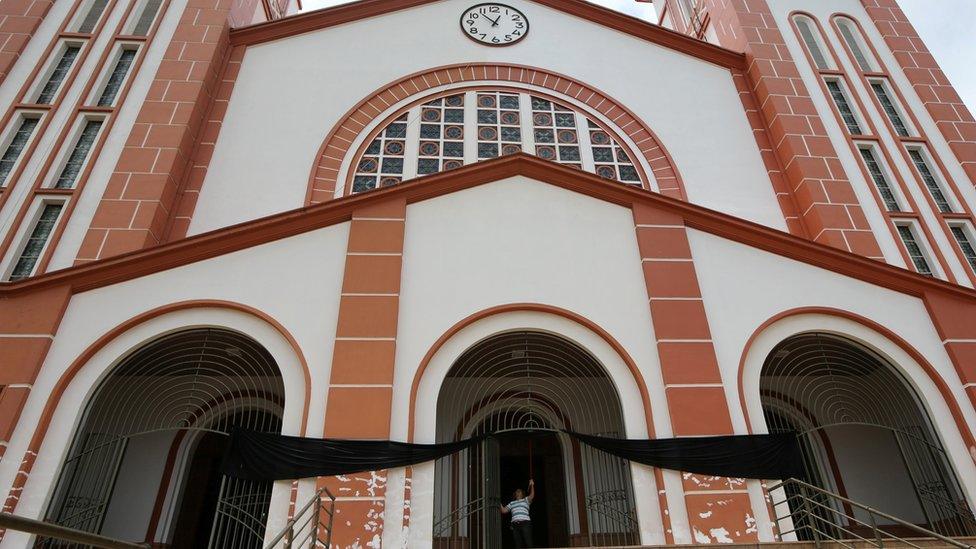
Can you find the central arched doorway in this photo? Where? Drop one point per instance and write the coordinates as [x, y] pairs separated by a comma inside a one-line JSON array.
[[144, 462], [526, 387], [864, 433]]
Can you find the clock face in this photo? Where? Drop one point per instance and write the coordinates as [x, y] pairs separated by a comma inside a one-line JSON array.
[[494, 24]]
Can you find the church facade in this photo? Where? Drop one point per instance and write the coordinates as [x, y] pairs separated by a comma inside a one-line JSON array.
[[428, 220]]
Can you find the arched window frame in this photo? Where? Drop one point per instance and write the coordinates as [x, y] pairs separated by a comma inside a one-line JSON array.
[[850, 35], [820, 57], [374, 129]]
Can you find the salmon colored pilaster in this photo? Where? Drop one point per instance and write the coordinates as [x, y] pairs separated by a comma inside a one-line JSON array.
[[203, 151], [19, 20], [955, 321], [28, 323], [137, 204], [361, 387], [796, 132], [718, 508], [323, 179], [951, 115]]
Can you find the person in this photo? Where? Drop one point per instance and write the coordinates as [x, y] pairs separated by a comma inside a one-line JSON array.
[[521, 520]]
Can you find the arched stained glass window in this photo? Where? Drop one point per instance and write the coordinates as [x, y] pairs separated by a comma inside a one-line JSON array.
[[451, 131]]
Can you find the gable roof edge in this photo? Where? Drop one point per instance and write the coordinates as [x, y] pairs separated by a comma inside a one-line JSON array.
[[363, 9]]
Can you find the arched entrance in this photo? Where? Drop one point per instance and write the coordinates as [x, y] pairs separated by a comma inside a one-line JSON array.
[[526, 386], [864, 432], [143, 463]]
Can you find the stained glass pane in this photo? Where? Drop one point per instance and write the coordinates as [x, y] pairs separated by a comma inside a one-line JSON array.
[[889, 108], [117, 77], [930, 182], [92, 16], [966, 245], [54, 81], [16, 146], [846, 112], [36, 242], [146, 17], [79, 154], [914, 250]]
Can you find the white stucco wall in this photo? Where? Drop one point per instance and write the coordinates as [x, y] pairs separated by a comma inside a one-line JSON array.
[[291, 92]]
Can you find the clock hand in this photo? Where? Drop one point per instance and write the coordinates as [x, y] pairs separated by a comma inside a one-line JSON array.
[[494, 22]]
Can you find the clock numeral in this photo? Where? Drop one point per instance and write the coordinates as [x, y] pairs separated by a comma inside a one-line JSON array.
[[473, 30], [474, 15], [520, 25], [516, 33], [508, 37], [495, 39], [494, 9], [516, 17]]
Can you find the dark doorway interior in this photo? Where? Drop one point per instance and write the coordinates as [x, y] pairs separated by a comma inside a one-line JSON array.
[[549, 519], [198, 503]]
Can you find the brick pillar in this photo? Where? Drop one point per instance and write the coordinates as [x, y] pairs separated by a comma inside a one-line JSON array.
[[718, 507], [821, 190], [955, 321], [954, 120], [361, 386], [28, 323], [138, 203], [19, 20]]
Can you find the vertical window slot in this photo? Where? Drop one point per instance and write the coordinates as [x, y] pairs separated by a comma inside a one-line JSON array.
[[36, 242], [813, 46], [79, 154], [880, 180], [58, 74], [844, 106], [881, 92], [965, 244], [930, 182], [92, 16], [146, 17], [848, 33], [114, 83], [16, 147], [914, 250]]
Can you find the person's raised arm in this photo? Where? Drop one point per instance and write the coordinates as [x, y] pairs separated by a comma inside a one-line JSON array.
[[504, 509], [531, 490]]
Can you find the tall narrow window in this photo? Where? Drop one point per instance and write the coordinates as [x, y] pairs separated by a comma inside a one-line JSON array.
[[146, 17], [556, 136], [499, 125], [116, 79], [382, 164], [933, 186], [914, 250], [844, 106], [54, 81], [92, 15], [965, 244], [810, 40], [16, 146], [69, 174], [36, 242], [441, 135], [889, 108], [848, 33], [880, 181]]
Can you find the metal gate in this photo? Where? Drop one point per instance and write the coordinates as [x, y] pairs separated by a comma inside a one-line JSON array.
[[172, 391], [518, 385], [817, 384]]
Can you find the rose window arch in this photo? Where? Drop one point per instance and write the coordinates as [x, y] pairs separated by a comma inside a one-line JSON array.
[[460, 128]]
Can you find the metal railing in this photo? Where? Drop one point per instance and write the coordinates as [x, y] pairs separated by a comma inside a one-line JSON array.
[[820, 516], [306, 529], [63, 533]]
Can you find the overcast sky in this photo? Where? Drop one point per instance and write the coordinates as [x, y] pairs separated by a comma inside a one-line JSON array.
[[946, 26]]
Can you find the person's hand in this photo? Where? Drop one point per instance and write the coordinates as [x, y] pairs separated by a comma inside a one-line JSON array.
[[531, 482]]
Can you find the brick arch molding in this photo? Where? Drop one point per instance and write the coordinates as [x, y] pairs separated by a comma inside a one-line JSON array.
[[325, 171]]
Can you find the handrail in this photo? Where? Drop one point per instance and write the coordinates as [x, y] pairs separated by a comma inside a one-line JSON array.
[[870, 510], [313, 521], [56, 531]]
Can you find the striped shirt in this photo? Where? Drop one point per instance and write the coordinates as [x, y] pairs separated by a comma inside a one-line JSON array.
[[520, 510]]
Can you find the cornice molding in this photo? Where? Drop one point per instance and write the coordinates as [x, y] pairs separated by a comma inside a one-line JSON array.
[[98, 274], [348, 13]]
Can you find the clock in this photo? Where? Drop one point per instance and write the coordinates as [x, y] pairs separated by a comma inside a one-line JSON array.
[[494, 24]]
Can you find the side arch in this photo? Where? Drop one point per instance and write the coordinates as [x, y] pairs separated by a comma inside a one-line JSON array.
[[935, 394], [335, 149], [115, 337]]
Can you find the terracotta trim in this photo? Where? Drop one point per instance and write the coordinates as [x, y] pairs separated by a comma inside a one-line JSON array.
[[922, 139], [139, 263], [884, 332], [327, 169], [330, 17], [841, 75], [44, 422]]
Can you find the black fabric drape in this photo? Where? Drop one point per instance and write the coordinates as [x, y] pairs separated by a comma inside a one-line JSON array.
[[260, 456], [739, 456]]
